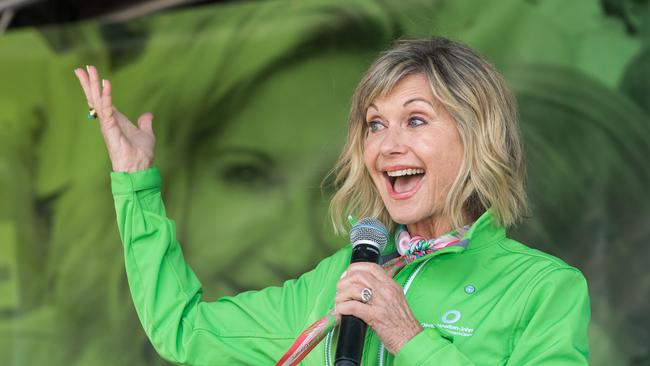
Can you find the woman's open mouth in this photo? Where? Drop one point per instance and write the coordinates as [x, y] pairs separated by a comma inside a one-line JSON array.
[[403, 183]]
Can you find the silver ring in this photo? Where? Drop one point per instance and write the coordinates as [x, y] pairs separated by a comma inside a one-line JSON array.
[[366, 295]]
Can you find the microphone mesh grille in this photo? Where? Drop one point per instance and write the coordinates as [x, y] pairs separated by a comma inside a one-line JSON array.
[[370, 229]]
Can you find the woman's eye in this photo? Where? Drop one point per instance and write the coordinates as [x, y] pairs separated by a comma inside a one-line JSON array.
[[375, 126], [244, 168], [416, 121], [247, 175]]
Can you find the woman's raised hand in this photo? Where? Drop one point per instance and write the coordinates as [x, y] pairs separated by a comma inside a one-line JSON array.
[[130, 148]]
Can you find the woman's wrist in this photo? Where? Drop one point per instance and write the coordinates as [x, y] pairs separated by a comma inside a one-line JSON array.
[[407, 333], [133, 167]]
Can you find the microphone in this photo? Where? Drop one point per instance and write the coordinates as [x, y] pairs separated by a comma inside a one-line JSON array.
[[368, 237]]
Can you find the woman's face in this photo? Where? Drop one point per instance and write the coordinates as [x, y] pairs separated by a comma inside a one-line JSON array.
[[257, 215], [413, 152]]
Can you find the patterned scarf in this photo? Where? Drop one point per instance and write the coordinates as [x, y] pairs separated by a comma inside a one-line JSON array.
[[410, 249]]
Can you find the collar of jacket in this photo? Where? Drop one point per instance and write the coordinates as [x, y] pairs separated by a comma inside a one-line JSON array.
[[484, 232]]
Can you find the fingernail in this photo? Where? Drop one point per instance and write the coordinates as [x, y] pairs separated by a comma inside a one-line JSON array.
[[343, 274], [103, 82], [87, 68]]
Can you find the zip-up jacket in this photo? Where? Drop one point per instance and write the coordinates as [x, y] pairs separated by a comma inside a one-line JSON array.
[[496, 302]]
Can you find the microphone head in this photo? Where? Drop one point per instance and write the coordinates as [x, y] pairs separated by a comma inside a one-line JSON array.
[[369, 230]]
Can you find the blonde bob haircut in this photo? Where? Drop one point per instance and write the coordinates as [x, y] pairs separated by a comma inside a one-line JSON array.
[[492, 173]]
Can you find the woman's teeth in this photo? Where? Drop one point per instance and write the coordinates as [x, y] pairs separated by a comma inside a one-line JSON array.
[[401, 173]]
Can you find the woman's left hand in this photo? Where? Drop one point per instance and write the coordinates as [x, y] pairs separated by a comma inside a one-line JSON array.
[[387, 312]]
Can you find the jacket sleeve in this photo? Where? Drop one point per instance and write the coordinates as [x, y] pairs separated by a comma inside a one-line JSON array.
[[553, 329], [431, 347], [255, 327]]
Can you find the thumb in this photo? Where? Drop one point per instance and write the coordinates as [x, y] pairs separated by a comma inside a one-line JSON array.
[[144, 122]]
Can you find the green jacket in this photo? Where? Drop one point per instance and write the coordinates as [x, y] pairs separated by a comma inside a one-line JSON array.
[[496, 302]]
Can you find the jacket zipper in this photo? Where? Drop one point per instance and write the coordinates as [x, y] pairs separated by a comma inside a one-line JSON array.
[[407, 286], [328, 346]]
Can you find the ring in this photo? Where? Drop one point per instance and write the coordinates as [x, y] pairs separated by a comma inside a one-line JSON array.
[[92, 114], [366, 295]]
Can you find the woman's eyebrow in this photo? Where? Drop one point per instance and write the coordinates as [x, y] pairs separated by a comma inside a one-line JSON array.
[[240, 150], [372, 105], [417, 100]]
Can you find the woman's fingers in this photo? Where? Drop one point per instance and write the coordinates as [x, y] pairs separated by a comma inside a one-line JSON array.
[[105, 110], [356, 308], [103, 105], [144, 123], [85, 83], [350, 291], [108, 110], [110, 127], [95, 89], [355, 280], [109, 115], [371, 270]]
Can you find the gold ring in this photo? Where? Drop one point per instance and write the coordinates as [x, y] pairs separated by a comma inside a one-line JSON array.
[[92, 114]]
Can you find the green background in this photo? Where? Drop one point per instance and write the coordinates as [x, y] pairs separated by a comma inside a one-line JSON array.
[[250, 100]]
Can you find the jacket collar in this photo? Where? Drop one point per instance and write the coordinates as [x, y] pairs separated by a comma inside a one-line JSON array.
[[483, 232]]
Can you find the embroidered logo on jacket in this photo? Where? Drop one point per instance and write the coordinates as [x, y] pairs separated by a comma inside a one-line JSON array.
[[448, 323]]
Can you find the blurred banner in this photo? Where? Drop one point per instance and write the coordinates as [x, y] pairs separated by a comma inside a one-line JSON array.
[[250, 102]]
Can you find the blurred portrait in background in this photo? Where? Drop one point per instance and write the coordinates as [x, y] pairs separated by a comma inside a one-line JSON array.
[[250, 100]]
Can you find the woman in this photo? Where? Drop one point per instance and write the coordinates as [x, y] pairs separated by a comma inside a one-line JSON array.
[[433, 150]]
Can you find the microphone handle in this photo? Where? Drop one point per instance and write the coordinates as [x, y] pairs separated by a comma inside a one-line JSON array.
[[353, 330], [351, 337]]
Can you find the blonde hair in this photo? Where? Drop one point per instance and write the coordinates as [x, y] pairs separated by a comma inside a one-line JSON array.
[[492, 173]]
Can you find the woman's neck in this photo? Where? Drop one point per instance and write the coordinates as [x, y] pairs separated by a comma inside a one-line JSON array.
[[429, 228]]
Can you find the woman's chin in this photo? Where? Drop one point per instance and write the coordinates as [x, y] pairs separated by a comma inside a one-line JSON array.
[[404, 217]]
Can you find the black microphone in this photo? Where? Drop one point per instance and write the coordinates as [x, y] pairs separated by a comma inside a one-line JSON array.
[[368, 237]]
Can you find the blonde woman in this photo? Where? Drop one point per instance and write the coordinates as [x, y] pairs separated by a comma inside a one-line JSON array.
[[434, 151]]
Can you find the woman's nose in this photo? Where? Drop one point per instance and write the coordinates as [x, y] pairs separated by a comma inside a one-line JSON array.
[[393, 143]]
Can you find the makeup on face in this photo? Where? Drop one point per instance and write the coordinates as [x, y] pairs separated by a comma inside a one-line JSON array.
[[412, 150]]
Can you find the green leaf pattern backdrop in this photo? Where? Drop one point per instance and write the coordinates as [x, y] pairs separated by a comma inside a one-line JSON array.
[[250, 100]]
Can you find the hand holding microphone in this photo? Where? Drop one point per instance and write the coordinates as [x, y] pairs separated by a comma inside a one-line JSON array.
[[368, 237], [366, 295]]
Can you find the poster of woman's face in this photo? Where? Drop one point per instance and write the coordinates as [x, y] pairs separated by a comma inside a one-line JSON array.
[[250, 103]]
